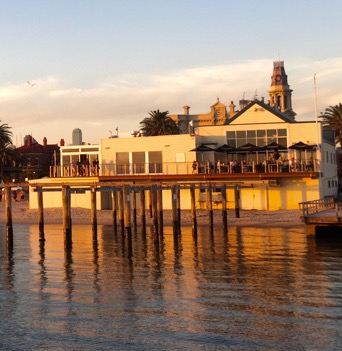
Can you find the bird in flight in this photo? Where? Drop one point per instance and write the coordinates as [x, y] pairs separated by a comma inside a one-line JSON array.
[[31, 84]]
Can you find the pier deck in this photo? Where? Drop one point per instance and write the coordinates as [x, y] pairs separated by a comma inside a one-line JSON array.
[[321, 213]]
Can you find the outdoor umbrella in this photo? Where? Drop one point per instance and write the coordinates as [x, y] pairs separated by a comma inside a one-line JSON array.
[[202, 148], [249, 148], [227, 149], [300, 146], [273, 147]]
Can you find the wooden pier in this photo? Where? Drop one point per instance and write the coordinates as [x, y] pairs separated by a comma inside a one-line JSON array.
[[322, 216], [124, 206]]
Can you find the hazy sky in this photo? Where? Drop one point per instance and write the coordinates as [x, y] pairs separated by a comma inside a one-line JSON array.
[[99, 64]]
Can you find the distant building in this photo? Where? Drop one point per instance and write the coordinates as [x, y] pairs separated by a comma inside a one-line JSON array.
[[280, 98], [34, 160], [77, 136]]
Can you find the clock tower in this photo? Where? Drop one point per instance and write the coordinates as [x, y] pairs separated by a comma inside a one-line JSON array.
[[280, 92]]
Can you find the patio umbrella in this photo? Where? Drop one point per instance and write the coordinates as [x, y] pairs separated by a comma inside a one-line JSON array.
[[227, 149], [300, 146], [273, 147], [249, 148], [202, 148]]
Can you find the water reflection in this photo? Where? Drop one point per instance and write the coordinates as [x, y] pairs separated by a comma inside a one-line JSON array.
[[248, 289]]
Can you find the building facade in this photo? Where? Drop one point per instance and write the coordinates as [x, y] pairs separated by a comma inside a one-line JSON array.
[[276, 161]]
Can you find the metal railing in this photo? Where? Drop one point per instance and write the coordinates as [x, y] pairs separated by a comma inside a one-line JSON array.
[[111, 169], [314, 206]]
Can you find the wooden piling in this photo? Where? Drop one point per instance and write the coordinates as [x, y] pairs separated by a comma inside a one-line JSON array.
[[66, 216], [40, 213], [121, 211], [134, 206], [150, 202], [237, 200], [160, 207], [174, 210], [179, 214], [143, 210], [210, 206], [114, 208], [224, 207], [193, 209], [127, 209], [93, 212], [9, 224], [153, 191]]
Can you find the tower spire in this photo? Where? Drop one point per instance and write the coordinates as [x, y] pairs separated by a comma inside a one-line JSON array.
[[280, 92]]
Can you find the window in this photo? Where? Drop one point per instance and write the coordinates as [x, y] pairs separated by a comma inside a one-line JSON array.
[[260, 137], [155, 162], [251, 137], [36, 161], [122, 162], [29, 162], [138, 160]]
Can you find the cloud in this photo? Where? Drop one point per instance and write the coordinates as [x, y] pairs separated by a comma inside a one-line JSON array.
[[54, 107]]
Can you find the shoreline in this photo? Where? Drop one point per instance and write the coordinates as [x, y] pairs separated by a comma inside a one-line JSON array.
[[21, 214]]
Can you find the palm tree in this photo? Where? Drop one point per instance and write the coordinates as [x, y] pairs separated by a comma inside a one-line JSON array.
[[332, 119], [159, 123], [6, 147]]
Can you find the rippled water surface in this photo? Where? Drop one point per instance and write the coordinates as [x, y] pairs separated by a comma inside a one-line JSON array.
[[252, 289]]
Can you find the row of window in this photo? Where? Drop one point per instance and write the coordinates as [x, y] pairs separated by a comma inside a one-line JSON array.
[[35, 162], [261, 137]]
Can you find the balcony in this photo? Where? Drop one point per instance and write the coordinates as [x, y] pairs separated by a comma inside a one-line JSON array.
[[232, 168]]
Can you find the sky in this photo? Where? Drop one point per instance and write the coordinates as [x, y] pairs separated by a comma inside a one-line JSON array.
[[102, 65]]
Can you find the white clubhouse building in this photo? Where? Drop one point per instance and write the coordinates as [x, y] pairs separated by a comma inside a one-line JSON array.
[[278, 161]]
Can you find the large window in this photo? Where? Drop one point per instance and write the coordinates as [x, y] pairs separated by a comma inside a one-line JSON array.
[[122, 163], [155, 162], [138, 160], [261, 137]]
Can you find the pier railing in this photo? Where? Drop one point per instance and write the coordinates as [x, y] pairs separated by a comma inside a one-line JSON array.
[[314, 206], [168, 168]]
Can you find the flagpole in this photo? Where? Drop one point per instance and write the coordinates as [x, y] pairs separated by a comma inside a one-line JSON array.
[[319, 149], [316, 111]]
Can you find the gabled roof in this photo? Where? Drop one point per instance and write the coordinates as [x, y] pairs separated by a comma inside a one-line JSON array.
[[284, 117], [37, 148], [218, 103]]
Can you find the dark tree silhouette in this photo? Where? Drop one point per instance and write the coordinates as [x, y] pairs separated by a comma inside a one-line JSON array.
[[332, 119], [159, 123], [6, 147]]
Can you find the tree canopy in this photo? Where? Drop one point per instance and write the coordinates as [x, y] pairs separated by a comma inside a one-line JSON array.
[[6, 147], [332, 119], [159, 123]]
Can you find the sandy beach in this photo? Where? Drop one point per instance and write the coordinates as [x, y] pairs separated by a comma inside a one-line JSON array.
[[22, 214]]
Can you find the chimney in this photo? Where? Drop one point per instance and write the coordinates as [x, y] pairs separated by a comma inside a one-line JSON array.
[[61, 142], [44, 141], [231, 109], [186, 110], [29, 140]]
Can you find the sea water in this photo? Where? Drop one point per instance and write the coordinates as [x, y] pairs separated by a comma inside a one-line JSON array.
[[250, 289]]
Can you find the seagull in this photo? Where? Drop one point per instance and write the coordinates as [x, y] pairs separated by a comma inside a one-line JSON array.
[[30, 84]]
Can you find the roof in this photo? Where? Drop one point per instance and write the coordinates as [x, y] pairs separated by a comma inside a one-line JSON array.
[[284, 117], [37, 148]]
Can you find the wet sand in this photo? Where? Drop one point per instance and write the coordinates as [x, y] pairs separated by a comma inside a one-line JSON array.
[[284, 218]]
